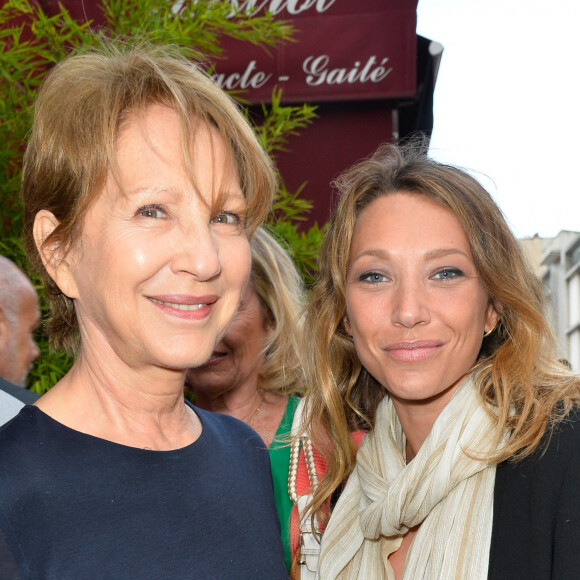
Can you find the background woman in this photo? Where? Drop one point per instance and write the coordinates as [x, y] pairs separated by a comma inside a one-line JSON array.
[[255, 371], [428, 332], [142, 184]]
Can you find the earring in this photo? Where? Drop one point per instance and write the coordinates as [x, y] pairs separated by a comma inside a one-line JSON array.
[[486, 334]]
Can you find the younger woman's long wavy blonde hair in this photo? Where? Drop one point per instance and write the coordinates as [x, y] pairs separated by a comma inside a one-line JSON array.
[[523, 385]]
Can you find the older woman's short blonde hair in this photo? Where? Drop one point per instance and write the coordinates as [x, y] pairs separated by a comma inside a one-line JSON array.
[[79, 112], [280, 291]]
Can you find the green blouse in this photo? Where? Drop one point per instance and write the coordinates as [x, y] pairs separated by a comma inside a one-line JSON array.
[[280, 462]]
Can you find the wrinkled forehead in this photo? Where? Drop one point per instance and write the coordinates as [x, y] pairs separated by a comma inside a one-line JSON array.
[[155, 122], [192, 144]]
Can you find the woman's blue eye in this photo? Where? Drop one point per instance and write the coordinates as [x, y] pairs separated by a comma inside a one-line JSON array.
[[448, 274], [151, 211], [372, 277], [225, 217]]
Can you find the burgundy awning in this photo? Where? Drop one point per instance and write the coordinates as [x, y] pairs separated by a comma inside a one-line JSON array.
[[344, 50]]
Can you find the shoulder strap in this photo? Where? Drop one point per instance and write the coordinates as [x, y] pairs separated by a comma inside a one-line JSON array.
[[309, 546], [300, 440]]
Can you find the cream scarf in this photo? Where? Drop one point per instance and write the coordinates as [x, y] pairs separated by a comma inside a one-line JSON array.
[[444, 490]]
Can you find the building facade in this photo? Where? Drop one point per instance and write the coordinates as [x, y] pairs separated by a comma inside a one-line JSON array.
[[557, 261]]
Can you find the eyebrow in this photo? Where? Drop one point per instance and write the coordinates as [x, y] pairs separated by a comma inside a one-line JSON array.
[[172, 192], [430, 255], [441, 253]]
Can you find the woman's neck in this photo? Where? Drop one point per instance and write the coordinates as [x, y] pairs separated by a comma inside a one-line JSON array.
[[261, 409], [240, 402], [134, 408], [418, 417]]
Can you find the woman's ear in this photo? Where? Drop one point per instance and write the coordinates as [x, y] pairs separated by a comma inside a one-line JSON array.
[[492, 316], [53, 255], [346, 324]]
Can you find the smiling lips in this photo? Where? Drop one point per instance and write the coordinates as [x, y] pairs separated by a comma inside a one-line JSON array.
[[184, 306], [413, 351], [215, 358]]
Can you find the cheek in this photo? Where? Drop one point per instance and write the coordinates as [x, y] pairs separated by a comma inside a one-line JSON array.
[[105, 282], [235, 261], [133, 249], [352, 314], [127, 262], [362, 328], [479, 315], [469, 325], [139, 256], [364, 315]]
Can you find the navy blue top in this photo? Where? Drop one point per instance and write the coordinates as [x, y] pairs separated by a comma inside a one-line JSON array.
[[77, 506]]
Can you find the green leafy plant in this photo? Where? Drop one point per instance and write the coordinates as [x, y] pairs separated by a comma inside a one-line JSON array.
[[31, 41]]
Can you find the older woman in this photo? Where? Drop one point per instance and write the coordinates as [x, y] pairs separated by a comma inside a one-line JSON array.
[[142, 184], [255, 371], [428, 331]]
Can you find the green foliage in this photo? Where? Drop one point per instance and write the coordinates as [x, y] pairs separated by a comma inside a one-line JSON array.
[[26, 53], [31, 42], [302, 245], [279, 122], [200, 24]]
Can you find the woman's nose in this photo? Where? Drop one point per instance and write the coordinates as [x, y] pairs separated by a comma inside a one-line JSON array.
[[197, 253], [410, 304]]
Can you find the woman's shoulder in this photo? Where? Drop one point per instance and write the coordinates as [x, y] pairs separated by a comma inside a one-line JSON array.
[[25, 443], [23, 428], [559, 446], [219, 429], [571, 422], [562, 442], [546, 474]]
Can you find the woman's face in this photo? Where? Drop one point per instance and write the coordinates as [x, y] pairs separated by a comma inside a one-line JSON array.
[[416, 307], [236, 360], [157, 274]]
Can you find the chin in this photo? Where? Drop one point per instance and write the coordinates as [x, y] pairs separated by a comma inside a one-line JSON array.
[[181, 361]]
